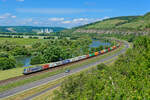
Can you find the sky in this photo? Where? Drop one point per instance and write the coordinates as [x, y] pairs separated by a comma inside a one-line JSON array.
[[66, 13]]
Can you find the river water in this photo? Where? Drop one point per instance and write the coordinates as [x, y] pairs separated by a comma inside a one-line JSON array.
[[25, 60]]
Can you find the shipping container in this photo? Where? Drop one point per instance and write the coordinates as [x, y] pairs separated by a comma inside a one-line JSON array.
[[54, 64], [93, 54], [71, 60], [87, 56], [84, 56], [50, 65], [96, 53], [77, 58], [59, 63], [102, 51], [65, 61], [106, 50], [99, 52], [114, 47], [111, 48], [46, 66], [118, 45], [90, 55]]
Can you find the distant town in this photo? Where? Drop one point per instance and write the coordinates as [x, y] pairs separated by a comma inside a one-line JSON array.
[[45, 31]]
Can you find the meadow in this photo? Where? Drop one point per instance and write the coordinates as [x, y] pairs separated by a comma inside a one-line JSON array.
[[22, 41]]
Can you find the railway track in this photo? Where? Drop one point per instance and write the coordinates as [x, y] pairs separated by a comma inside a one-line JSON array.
[[35, 84], [11, 80]]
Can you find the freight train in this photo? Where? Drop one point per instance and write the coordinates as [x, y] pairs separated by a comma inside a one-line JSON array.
[[67, 61]]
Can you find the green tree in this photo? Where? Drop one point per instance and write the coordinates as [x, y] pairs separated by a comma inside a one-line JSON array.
[[7, 63], [101, 66], [36, 60]]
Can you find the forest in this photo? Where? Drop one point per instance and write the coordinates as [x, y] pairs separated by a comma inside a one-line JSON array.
[[46, 50], [43, 51], [127, 79]]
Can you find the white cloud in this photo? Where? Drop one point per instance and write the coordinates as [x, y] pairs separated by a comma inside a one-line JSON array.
[[56, 19], [13, 16], [66, 22], [7, 15], [20, 0], [80, 19]]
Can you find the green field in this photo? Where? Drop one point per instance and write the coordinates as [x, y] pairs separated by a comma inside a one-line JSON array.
[[21, 41], [48, 74]]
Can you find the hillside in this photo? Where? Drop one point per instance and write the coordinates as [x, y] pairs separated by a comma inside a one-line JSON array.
[[28, 29], [138, 23], [127, 79]]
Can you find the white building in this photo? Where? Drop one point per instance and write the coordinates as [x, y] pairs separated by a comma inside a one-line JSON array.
[[45, 31]]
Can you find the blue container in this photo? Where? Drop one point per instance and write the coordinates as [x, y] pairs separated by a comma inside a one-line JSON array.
[[99, 52], [66, 61]]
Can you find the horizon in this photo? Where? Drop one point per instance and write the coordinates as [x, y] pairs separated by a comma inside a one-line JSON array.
[[66, 14]]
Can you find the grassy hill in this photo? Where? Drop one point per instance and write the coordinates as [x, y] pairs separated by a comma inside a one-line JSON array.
[[123, 23]]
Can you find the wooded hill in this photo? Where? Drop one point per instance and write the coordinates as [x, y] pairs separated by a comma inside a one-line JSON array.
[[27, 29], [120, 25]]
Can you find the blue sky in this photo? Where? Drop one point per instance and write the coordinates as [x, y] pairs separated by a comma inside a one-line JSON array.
[[66, 13]]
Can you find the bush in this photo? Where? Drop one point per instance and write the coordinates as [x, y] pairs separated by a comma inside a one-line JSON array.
[[7, 63], [101, 66]]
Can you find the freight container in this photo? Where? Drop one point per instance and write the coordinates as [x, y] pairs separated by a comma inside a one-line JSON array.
[[46, 66], [118, 45], [99, 52], [87, 56], [71, 60], [111, 48], [80, 57], [114, 47], [102, 51], [93, 54], [84, 56], [65, 61], [90, 55], [77, 58], [50, 65], [96, 53], [59, 63], [54, 65]]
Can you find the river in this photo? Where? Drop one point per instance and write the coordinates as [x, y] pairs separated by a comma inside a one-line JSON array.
[[25, 60]]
